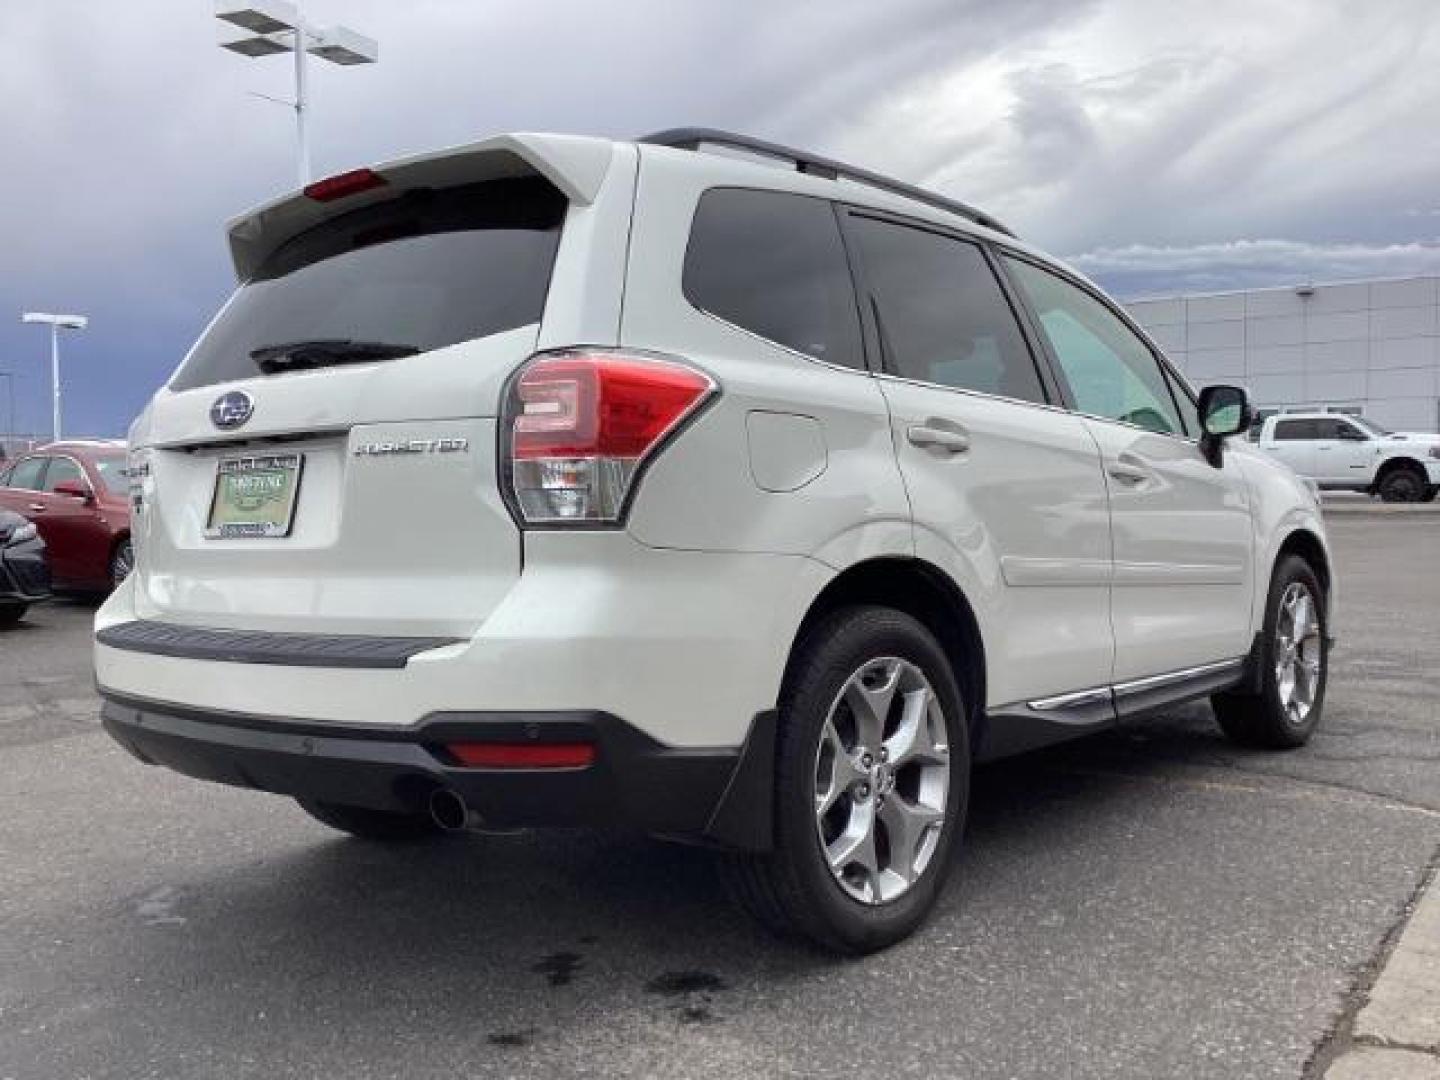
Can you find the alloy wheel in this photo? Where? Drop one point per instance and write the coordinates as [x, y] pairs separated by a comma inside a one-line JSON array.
[[121, 563], [882, 780], [1299, 653]]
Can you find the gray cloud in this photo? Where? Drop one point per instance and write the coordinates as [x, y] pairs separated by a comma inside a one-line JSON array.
[[1155, 142]]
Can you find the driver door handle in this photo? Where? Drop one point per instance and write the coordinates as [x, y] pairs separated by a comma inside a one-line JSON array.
[[37, 508], [951, 442]]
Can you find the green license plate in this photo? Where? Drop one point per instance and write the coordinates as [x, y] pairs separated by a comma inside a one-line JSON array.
[[254, 496]]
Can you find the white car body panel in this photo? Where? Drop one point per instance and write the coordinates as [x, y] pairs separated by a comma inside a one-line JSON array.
[[686, 646], [1020, 518], [1183, 565]]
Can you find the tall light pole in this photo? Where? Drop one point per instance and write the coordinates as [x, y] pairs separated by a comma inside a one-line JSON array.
[[56, 324], [277, 26]]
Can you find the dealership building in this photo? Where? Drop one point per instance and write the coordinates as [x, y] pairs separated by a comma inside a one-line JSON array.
[[1371, 347]]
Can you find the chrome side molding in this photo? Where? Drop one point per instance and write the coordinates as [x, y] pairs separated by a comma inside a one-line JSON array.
[[1134, 686]]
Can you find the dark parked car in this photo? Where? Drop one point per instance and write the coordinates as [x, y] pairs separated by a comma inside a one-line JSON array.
[[24, 571], [77, 495]]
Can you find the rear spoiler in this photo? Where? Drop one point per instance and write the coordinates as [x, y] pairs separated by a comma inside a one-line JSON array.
[[574, 164]]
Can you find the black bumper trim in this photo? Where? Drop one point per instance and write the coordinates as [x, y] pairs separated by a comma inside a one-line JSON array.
[[717, 795], [261, 647]]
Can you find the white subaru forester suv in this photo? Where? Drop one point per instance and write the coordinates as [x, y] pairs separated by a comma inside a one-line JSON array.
[[742, 497]]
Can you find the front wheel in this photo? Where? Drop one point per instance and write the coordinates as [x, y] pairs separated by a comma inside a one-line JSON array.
[[10, 614], [871, 784], [1294, 655]]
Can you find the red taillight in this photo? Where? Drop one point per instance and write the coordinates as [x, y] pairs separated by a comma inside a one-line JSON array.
[[344, 184], [581, 424], [523, 755]]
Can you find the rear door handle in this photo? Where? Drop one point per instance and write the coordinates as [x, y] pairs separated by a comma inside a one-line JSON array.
[[37, 508], [951, 442]]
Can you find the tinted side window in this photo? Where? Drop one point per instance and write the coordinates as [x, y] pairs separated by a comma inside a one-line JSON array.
[[1111, 371], [63, 469], [1292, 430], [27, 473], [774, 264], [943, 317]]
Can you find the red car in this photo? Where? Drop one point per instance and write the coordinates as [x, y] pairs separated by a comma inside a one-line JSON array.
[[78, 497]]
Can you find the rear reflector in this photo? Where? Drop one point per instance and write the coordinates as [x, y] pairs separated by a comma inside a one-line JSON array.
[[523, 755], [344, 184]]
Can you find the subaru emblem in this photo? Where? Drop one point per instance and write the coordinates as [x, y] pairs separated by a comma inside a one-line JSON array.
[[232, 409]]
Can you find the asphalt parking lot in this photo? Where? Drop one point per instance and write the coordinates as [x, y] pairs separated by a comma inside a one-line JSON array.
[[1149, 903]]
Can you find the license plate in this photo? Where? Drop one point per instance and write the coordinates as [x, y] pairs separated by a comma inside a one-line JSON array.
[[254, 496]]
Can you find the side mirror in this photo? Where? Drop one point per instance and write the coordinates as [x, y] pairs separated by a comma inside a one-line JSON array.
[[75, 489], [1352, 434], [1224, 411]]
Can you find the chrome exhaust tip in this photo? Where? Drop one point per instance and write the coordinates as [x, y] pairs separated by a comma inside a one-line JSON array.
[[449, 812]]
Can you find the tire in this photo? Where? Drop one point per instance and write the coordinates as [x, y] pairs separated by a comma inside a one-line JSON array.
[[382, 826], [1431, 492], [122, 561], [918, 788], [1275, 718], [10, 614], [1403, 484]]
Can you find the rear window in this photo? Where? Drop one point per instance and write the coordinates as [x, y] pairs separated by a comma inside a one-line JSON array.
[[419, 272], [774, 264]]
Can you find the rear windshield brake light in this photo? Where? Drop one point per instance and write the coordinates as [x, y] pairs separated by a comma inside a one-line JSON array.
[[343, 185]]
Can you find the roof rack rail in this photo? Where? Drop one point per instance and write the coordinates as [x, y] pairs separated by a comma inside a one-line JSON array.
[[694, 138]]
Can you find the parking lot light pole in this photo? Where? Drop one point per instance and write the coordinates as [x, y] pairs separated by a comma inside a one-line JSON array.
[[56, 324], [277, 26]]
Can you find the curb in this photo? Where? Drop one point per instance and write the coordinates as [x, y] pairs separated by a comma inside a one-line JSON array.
[[1396, 1035]]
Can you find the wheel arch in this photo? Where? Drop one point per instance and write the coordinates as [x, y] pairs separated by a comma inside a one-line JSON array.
[[1308, 546], [923, 591], [1390, 465]]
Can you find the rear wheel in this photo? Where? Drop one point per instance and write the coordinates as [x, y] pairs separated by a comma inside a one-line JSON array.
[[1286, 709], [872, 780], [380, 825], [10, 614], [1403, 484]]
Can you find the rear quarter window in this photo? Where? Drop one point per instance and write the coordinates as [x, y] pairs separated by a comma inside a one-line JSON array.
[[773, 263], [424, 270]]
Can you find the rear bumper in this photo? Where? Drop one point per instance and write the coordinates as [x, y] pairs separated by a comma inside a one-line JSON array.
[[719, 795], [24, 573]]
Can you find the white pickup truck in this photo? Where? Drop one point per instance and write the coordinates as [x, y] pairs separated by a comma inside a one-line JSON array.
[[1349, 453]]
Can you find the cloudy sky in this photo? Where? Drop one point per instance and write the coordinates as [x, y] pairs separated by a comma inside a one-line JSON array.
[[1161, 145]]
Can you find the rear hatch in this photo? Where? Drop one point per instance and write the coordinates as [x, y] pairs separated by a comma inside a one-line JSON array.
[[324, 459]]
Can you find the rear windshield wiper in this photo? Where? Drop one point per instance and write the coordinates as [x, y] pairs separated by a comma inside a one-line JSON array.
[[325, 352]]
